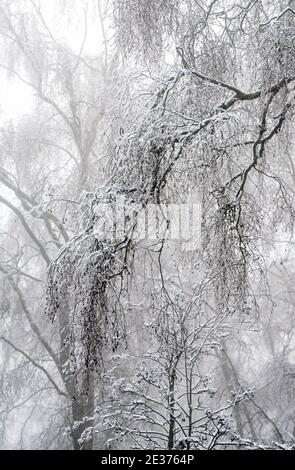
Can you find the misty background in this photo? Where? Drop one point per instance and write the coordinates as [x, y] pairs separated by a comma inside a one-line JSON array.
[[122, 343]]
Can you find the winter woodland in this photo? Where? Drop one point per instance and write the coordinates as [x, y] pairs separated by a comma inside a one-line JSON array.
[[126, 324]]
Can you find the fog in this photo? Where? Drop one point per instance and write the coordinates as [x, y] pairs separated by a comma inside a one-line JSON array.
[[147, 215]]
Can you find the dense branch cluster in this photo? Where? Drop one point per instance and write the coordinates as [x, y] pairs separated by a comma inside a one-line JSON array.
[[151, 344]]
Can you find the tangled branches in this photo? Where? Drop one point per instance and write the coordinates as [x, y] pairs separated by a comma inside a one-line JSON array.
[[85, 283]]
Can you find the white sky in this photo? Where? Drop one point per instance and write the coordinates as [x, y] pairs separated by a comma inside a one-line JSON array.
[[16, 98]]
